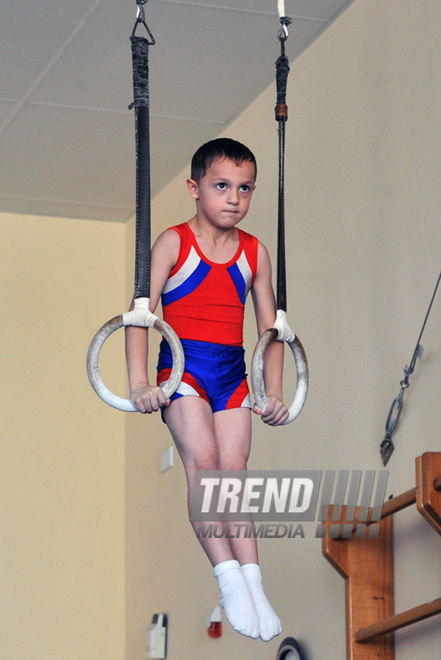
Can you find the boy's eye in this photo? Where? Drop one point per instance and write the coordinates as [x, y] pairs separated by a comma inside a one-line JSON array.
[[221, 185], [245, 188]]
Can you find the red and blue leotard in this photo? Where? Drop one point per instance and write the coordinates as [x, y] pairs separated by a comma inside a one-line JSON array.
[[204, 303], [203, 300]]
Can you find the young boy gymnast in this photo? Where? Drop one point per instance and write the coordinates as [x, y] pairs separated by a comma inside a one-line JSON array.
[[202, 270]]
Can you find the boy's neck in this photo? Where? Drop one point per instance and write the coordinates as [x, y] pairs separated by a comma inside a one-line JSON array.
[[217, 245], [201, 228]]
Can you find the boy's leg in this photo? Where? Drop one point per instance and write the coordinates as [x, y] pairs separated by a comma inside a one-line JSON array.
[[207, 441], [233, 435], [190, 421], [222, 441], [227, 424]]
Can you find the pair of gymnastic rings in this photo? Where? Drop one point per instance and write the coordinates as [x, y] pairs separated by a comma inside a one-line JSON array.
[[141, 314]]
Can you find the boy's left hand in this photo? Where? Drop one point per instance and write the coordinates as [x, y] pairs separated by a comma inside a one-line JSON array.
[[275, 412]]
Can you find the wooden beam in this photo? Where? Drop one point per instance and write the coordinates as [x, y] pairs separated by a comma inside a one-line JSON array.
[[428, 471], [398, 621], [366, 566], [398, 503]]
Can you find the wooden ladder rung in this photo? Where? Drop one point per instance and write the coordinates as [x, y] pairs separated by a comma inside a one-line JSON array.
[[398, 503], [404, 500], [398, 621]]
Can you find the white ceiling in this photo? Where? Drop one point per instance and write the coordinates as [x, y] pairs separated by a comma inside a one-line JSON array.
[[66, 135]]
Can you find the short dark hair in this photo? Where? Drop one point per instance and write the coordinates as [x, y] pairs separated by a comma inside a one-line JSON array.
[[217, 149]]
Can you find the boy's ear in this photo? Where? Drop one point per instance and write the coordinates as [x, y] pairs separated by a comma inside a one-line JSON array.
[[193, 188]]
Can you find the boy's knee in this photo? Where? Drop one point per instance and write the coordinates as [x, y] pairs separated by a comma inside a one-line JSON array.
[[209, 461], [232, 464]]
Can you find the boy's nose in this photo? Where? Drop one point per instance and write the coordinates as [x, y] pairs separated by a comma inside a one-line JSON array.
[[233, 196]]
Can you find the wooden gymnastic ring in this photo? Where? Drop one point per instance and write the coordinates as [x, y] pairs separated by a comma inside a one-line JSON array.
[[126, 405], [257, 378]]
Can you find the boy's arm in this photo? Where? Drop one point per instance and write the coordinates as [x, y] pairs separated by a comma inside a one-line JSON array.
[[265, 309], [149, 398]]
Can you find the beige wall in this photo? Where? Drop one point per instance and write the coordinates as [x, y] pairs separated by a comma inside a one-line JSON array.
[[62, 449], [363, 165], [94, 538]]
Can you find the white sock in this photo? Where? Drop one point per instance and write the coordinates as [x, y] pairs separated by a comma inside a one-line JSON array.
[[235, 599], [269, 622]]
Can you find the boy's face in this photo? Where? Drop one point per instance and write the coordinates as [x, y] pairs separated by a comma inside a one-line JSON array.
[[223, 195]]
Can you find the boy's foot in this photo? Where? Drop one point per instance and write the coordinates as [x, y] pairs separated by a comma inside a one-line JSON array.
[[269, 622], [236, 600]]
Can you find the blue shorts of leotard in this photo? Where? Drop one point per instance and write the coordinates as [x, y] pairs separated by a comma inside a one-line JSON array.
[[214, 372]]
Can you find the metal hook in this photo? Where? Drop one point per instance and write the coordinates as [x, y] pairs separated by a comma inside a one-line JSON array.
[[283, 30], [140, 18]]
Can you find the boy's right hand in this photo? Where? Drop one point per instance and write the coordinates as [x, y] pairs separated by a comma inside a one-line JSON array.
[[148, 398]]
